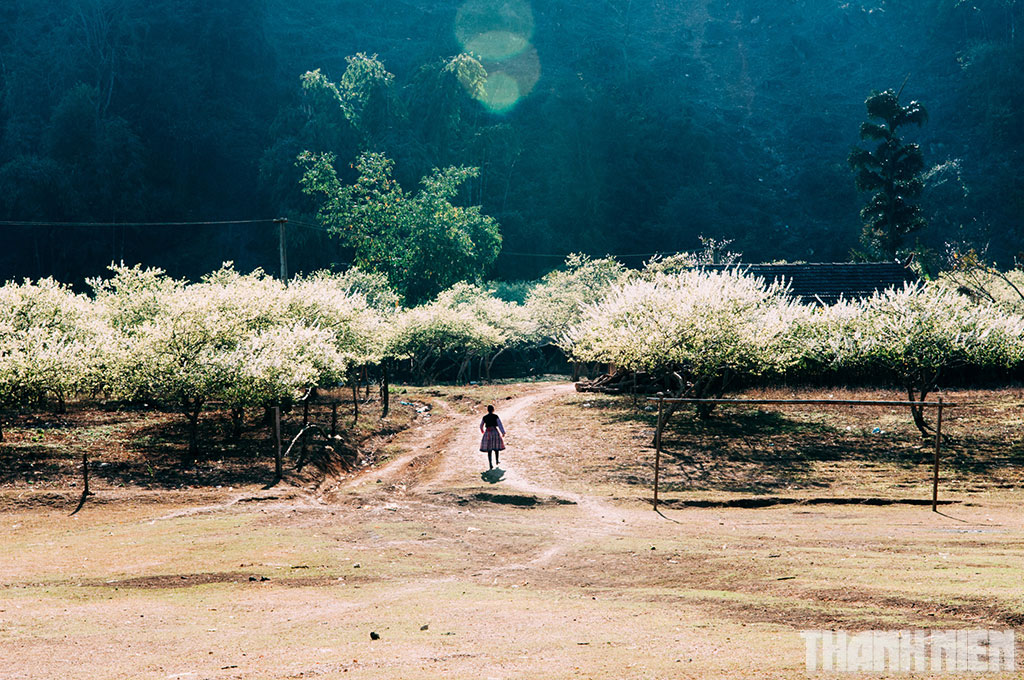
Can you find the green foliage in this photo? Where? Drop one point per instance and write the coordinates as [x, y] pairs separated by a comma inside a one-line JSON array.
[[636, 139], [558, 301], [363, 93], [891, 173], [440, 102], [421, 242]]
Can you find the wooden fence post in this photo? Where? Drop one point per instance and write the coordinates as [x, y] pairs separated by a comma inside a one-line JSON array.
[[85, 475], [85, 483], [355, 401], [278, 463], [935, 470], [305, 423], [385, 391], [657, 448]]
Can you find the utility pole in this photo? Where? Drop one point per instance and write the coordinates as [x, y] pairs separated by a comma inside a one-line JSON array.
[[283, 247]]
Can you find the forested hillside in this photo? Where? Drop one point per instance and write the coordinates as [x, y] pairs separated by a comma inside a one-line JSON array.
[[621, 127]]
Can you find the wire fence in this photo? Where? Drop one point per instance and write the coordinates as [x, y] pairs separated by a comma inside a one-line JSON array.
[[939, 405]]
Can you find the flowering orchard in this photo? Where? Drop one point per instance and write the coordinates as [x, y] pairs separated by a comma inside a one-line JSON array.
[[250, 341], [703, 331]]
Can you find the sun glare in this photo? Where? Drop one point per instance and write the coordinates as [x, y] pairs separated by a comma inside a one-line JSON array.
[[499, 34]]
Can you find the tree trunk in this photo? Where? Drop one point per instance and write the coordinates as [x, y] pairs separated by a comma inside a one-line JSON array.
[[425, 370], [62, 406], [918, 412], [237, 422], [490, 362], [463, 367], [192, 410], [703, 391], [709, 392], [670, 408], [305, 424], [355, 401], [704, 411], [385, 391]]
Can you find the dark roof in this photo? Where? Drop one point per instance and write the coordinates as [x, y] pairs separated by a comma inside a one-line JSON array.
[[828, 281]]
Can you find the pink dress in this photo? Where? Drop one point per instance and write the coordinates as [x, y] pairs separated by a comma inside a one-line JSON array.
[[491, 425]]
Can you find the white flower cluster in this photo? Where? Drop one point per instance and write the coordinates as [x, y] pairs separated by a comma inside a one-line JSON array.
[[913, 334], [244, 339], [250, 340], [465, 322], [709, 327]]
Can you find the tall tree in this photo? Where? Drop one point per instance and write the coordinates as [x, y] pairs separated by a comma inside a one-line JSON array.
[[421, 242], [892, 172]]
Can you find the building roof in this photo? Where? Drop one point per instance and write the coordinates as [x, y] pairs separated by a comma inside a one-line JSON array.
[[827, 282]]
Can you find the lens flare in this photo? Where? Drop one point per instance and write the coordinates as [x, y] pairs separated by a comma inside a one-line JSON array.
[[496, 45], [494, 29], [498, 33], [501, 92], [524, 67], [522, 71]]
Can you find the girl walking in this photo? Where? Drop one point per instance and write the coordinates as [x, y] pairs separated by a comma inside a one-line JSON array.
[[491, 426]]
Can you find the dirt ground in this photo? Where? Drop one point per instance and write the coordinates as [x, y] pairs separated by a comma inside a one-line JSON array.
[[554, 566]]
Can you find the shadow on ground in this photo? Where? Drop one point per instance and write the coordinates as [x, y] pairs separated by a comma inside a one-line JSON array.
[[143, 447], [763, 450]]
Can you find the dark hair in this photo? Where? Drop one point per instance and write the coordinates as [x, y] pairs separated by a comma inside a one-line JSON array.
[[490, 409]]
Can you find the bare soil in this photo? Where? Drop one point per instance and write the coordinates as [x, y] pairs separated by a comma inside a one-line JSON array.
[[554, 566]]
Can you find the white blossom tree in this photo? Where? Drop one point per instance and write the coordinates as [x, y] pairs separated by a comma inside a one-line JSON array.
[[49, 341], [703, 330], [914, 335]]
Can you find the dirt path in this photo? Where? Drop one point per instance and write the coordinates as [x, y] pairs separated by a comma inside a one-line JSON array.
[[463, 463], [443, 457], [443, 462]]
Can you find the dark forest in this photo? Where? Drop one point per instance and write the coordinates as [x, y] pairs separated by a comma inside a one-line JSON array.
[[626, 127]]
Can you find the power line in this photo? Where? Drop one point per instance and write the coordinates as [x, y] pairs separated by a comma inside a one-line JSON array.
[[20, 223], [272, 220], [216, 223], [311, 227], [562, 257]]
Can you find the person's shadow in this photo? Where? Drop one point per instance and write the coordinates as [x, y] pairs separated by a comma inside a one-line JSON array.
[[493, 476]]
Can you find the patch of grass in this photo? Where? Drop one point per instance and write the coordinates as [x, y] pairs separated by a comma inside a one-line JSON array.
[[790, 449]]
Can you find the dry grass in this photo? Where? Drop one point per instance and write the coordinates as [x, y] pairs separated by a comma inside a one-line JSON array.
[[800, 451], [169, 584], [141, 449]]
